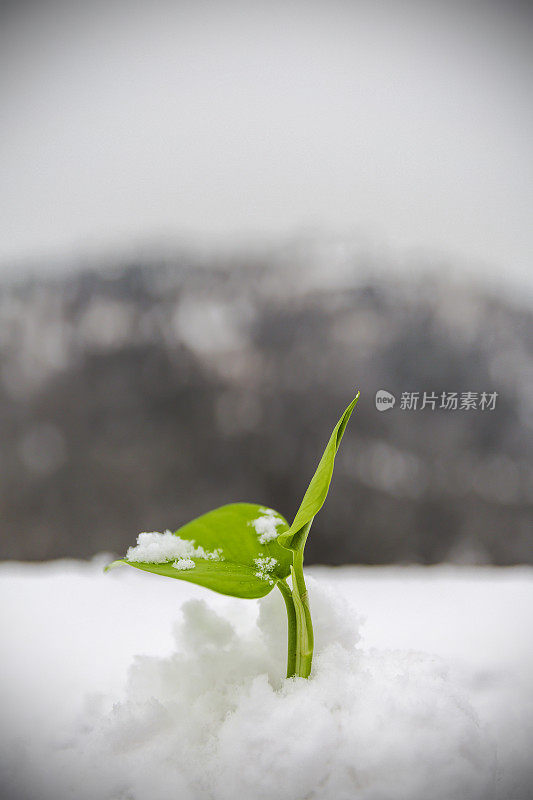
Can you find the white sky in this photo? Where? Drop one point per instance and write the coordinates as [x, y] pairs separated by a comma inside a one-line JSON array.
[[225, 122]]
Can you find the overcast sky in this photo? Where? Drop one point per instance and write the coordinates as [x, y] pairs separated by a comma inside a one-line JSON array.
[[223, 122]]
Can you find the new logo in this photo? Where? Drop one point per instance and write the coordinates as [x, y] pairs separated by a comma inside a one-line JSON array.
[[384, 400]]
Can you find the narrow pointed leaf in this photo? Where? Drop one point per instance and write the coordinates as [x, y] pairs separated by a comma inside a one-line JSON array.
[[317, 490], [251, 560]]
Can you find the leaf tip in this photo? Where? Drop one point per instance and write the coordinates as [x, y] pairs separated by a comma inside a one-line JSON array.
[[354, 401], [114, 564]]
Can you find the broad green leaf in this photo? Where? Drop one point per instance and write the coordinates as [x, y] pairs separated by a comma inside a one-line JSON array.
[[317, 490], [236, 531]]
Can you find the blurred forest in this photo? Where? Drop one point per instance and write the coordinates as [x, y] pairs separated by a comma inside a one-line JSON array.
[[137, 396]]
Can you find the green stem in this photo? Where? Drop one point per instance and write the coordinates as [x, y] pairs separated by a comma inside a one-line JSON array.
[[300, 627], [304, 626], [291, 627]]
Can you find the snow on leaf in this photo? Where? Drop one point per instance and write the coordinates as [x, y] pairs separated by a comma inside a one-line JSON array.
[[223, 547], [265, 565], [157, 548], [266, 526], [184, 563]]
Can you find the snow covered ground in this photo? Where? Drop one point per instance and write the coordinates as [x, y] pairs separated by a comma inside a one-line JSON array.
[[136, 687]]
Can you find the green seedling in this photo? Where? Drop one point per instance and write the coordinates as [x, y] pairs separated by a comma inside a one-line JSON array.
[[244, 550]]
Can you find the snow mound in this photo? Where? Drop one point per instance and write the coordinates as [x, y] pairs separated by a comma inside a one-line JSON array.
[[215, 720]]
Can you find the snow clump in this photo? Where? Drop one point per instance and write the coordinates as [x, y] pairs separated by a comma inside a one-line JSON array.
[[264, 567], [158, 548], [266, 525], [184, 563]]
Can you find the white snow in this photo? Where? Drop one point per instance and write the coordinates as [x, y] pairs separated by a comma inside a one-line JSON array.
[[184, 563], [266, 525], [157, 548], [265, 565], [129, 685]]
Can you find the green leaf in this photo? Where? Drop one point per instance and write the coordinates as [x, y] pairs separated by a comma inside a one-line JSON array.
[[230, 529], [317, 491]]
